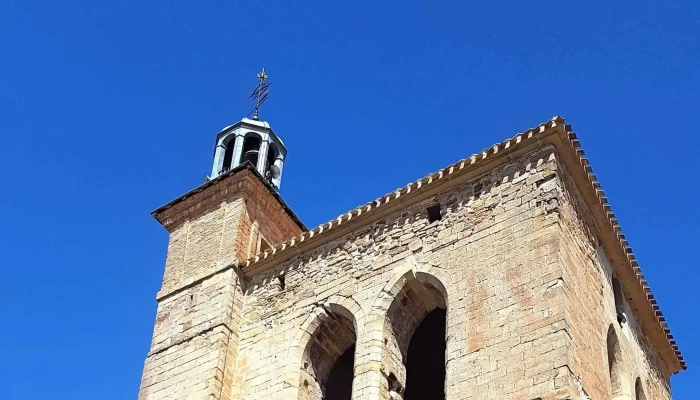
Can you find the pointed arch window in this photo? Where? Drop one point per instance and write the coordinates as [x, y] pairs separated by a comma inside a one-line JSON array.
[[327, 369], [614, 363], [619, 301], [416, 329], [639, 390]]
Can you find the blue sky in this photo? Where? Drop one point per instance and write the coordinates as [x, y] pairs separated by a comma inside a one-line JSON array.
[[109, 110]]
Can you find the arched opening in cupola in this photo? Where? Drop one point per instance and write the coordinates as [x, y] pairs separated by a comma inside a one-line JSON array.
[[272, 154], [228, 154], [251, 148]]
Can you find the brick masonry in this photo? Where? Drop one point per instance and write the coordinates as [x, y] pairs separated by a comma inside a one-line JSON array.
[[195, 339], [515, 260]]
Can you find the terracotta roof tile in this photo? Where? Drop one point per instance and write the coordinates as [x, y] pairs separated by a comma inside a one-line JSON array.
[[464, 164], [632, 262]]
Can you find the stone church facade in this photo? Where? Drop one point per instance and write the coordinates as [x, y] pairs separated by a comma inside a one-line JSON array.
[[502, 276]]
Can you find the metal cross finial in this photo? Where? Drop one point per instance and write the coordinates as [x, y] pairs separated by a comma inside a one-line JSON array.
[[260, 93]]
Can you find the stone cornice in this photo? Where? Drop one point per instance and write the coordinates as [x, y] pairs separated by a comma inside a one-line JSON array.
[[240, 180]]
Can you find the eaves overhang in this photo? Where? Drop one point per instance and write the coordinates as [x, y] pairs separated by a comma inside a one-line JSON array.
[[247, 165]]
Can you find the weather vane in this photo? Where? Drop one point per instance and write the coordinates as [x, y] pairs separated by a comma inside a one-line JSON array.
[[260, 93]]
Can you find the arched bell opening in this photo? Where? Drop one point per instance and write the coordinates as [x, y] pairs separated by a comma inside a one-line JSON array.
[[639, 390], [339, 382], [615, 364], [272, 154], [619, 301], [228, 154], [425, 358], [251, 148], [327, 369], [415, 346], [272, 172]]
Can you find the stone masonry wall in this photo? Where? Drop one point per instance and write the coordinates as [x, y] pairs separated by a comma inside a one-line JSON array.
[[195, 331], [514, 259], [272, 223], [198, 247], [213, 229], [494, 257], [195, 338], [590, 310], [263, 217]]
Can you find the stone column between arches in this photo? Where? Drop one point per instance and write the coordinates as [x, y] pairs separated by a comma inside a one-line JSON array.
[[381, 339], [367, 383]]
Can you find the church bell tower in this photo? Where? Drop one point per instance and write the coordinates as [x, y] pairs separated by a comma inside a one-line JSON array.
[[234, 215]]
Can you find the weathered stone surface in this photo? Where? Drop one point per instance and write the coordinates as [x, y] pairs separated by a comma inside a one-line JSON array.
[[590, 311], [195, 339], [514, 260]]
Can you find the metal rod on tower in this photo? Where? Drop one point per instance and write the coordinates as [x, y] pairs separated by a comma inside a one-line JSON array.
[[260, 94]]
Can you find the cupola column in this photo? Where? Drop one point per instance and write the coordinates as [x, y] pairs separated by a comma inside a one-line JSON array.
[[237, 149], [262, 155], [218, 159]]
